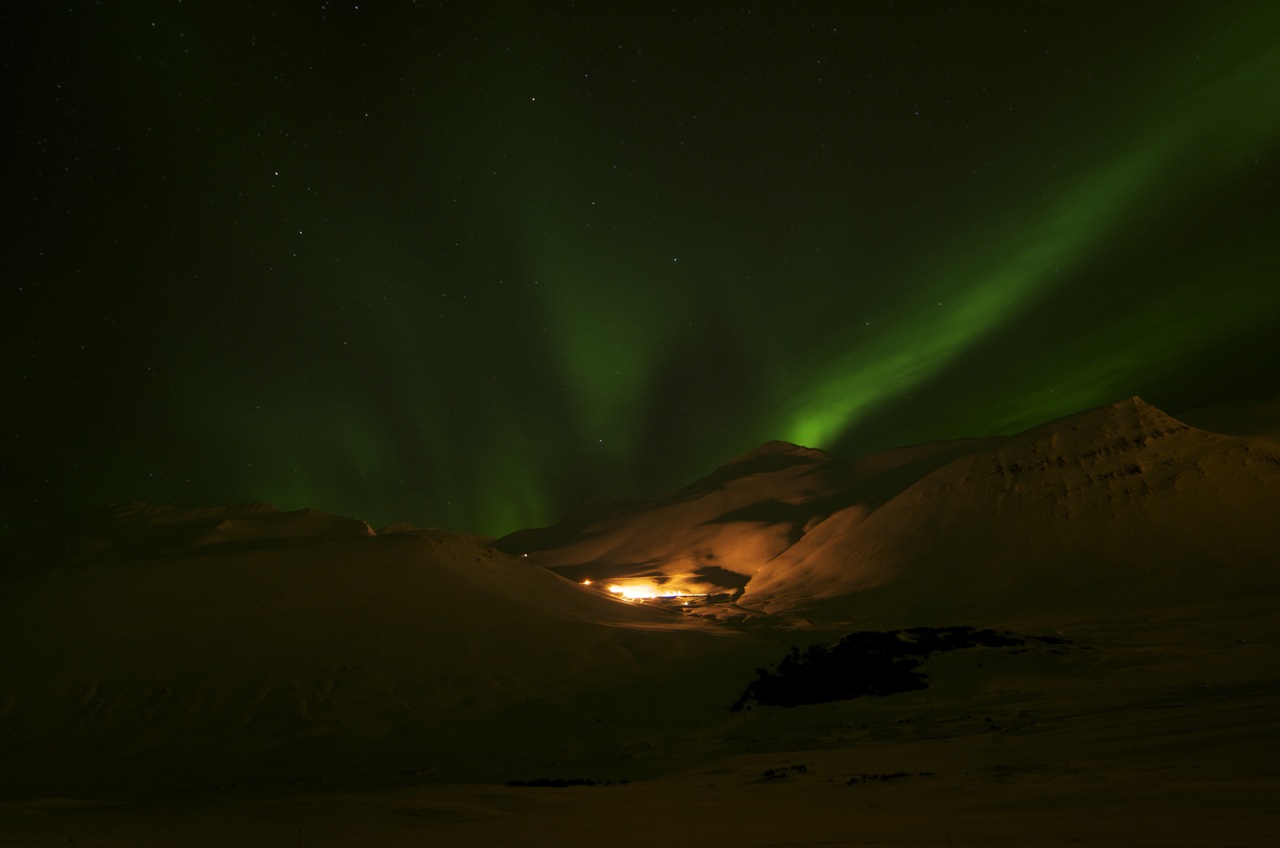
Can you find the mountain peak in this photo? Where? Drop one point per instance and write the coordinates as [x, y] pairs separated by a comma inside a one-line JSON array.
[[1132, 418], [777, 447]]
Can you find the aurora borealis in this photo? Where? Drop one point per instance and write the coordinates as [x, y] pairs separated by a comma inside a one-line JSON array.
[[472, 264]]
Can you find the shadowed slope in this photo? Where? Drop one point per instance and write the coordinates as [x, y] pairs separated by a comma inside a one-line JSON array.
[[1259, 419], [183, 668]]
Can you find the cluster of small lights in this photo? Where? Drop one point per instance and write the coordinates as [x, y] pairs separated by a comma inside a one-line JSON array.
[[641, 593], [645, 591]]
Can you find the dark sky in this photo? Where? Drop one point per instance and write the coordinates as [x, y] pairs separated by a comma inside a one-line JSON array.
[[472, 264]]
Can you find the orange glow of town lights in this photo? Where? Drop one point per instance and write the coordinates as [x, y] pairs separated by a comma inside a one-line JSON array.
[[645, 591]]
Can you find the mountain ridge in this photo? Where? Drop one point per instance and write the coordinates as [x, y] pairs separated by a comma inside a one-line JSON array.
[[1123, 485]]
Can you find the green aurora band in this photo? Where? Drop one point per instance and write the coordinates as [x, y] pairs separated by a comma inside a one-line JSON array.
[[519, 261], [1220, 121], [620, 290]]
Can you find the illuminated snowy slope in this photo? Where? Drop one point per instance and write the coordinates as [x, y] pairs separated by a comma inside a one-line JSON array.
[[716, 533], [1117, 507]]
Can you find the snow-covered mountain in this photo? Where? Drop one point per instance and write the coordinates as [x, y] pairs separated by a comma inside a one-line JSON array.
[[1118, 506], [236, 665]]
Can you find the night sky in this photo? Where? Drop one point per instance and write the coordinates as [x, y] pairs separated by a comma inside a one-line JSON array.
[[472, 264]]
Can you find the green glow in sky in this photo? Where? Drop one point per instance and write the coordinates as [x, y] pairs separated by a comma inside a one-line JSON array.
[[1215, 124], [473, 267]]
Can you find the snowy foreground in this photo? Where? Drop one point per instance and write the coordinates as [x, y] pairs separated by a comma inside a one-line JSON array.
[[245, 676]]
